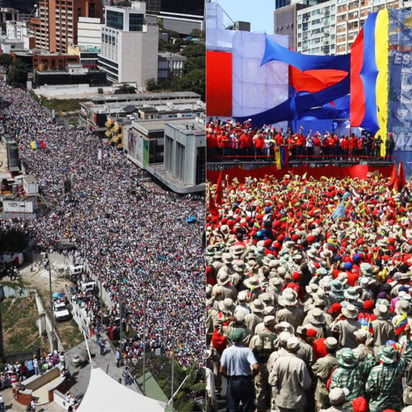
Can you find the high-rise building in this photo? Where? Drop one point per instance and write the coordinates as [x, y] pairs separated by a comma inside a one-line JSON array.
[[285, 21], [59, 22], [316, 29], [129, 45], [331, 27], [181, 16]]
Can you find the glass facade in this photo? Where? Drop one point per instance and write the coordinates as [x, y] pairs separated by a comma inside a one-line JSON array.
[[195, 7], [114, 19], [136, 22]]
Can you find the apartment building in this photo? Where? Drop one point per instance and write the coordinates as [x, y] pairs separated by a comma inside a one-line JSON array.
[[56, 27], [330, 28], [316, 29]]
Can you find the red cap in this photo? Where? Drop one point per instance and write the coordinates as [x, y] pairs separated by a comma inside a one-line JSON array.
[[368, 304], [310, 239], [311, 333], [335, 308], [295, 276]]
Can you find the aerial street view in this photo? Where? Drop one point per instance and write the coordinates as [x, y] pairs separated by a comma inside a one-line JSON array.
[[102, 206], [309, 207]]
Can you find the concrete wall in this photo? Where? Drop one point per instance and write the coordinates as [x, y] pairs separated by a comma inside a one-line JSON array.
[[75, 91], [47, 323]]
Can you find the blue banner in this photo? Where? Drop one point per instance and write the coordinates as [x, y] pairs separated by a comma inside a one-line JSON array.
[[400, 80]]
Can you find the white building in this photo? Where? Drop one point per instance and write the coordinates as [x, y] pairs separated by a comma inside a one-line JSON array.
[[129, 45], [330, 28], [17, 30], [183, 168], [170, 64], [89, 32]]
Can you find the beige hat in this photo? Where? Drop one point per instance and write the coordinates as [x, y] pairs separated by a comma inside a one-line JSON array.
[[331, 343], [237, 250], [288, 298], [227, 258], [239, 265], [226, 305], [292, 343], [361, 334], [269, 320], [257, 306], [223, 279], [317, 317], [252, 282], [350, 311], [381, 311]]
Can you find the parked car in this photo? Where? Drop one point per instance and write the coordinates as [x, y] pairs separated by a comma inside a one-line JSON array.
[[61, 312]]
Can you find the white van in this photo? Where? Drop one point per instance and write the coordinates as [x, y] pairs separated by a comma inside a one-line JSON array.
[[76, 270], [88, 286]]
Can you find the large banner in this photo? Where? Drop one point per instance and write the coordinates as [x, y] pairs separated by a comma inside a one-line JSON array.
[[400, 78], [237, 83], [400, 85]]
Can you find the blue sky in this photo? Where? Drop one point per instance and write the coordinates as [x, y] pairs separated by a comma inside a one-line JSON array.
[[258, 12]]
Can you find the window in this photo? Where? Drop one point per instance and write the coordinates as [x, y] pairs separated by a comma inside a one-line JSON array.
[[114, 19], [200, 166], [136, 22]]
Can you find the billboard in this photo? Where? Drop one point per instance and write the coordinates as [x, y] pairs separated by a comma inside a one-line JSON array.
[[138, 148]]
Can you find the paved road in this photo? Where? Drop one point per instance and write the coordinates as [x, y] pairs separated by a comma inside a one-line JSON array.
[[107, 362]]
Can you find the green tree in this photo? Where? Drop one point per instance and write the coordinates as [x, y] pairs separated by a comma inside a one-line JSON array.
[[17, 74], [194, 50], [193, 81], [125, 89], [6, 59], [197, 33], [12, 241]]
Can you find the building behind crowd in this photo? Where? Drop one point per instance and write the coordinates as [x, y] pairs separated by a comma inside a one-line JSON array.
[[74, 74], [170, 65], [36, 59], [180, 16], [94, 113], [56, 26], [183, 169], [129, 45], [325, 27]]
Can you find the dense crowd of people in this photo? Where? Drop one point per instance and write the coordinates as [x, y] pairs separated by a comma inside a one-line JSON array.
[[309, 309], [135, 239], [229, 140]]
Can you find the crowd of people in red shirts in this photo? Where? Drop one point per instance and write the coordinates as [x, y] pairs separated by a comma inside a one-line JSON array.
[[230, 140]]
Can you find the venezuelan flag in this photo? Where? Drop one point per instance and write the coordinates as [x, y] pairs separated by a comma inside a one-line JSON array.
[[400, 325], [369, 76]]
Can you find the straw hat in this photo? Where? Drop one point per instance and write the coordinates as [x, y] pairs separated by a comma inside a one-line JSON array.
[[257, 306], [288, 298], [350, 311], [252, 282]]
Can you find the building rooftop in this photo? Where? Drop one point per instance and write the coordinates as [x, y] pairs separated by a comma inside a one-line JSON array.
[[30, 179], [144, 96], [188, 126], [149, 125]]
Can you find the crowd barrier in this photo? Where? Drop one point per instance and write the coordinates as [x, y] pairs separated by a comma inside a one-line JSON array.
[[356, 171]]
